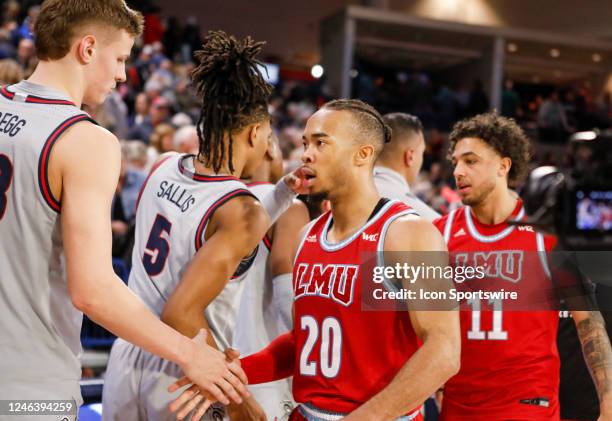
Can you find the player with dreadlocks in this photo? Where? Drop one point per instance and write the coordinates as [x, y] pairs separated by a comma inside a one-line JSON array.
[[198, 227]]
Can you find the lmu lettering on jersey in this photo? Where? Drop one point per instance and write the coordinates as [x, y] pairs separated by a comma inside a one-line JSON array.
[[505, 265], [336, 282]]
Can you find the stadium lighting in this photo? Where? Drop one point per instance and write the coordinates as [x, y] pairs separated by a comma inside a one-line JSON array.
[[316, 71]]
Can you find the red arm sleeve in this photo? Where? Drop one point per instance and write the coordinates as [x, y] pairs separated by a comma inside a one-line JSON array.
[[274, 362]]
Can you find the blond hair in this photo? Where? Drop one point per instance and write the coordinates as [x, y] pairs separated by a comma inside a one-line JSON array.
[[58, 21]]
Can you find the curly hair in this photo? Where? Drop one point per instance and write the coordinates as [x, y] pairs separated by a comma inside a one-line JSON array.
[[233, 90], [503, 134]]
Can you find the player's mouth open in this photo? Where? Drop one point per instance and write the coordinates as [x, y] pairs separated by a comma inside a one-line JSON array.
[[308, 174], [463, 188]]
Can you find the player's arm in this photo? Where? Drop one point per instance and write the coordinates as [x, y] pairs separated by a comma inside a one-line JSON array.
[[285, 232], [439, 357], [278, 200], [277, 360], [84, 170], [274, 362], [233, 233], [598, 355]]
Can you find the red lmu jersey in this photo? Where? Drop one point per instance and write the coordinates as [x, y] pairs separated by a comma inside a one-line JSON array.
[[344, 355], [509, 359]]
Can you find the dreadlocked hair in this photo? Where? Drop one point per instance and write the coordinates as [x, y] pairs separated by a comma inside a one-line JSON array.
[[234, 93]]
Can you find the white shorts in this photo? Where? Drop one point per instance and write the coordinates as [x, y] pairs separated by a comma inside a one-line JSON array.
[[135, 387], [275, 398]]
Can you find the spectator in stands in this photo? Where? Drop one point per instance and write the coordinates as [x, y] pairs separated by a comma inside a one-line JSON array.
[[141, 109], [400, 161], [113, 115], [552, 120], [159, 113], [124, 203], [479, 102], [186, 140], [161, 141], [26, 55], [510, 100], [25, 30], [10, 72], [135, 153]]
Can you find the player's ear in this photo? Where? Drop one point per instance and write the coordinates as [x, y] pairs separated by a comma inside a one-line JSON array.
[[254, 131], [408, 157], [269, 156], [86, 49], [504, 166], [364, 155]]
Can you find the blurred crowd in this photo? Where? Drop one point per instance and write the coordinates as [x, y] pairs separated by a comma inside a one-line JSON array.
[[157, 109]]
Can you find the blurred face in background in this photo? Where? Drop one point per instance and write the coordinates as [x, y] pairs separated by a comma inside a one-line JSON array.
[[159, 112], [167, 142], [141, 105]]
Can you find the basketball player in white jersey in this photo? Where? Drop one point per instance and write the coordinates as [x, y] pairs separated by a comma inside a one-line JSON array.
[[400, 161], [58, 174], [265, 307], [198, 228]]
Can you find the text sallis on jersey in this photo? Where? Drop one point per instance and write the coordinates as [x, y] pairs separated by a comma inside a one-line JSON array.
[[176, 194]]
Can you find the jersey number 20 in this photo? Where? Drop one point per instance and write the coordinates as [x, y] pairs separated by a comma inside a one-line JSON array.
[[330, 347], [157, 249], [6, 176]]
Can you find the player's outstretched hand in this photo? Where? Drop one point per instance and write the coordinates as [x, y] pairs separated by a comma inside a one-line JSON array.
[[189, 400], [298, 182], [249, 410], [209, 369], [195, 398]]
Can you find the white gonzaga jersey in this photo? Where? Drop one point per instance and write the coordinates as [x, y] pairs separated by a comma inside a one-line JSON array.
[[256, 322], [171, 218], [39, 326]]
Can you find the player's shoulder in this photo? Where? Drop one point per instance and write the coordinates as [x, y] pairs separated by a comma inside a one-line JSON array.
[[87, 144], [87, 135], [411, 232]]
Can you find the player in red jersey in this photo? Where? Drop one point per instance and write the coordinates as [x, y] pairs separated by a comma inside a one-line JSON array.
[[348, 363], [509, 359]]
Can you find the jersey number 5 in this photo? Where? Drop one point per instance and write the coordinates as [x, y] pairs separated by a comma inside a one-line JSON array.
[[330, 349], [6, 176], [157, 249]]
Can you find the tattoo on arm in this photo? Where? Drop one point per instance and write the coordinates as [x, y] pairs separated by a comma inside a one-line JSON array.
[[597, 352]]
